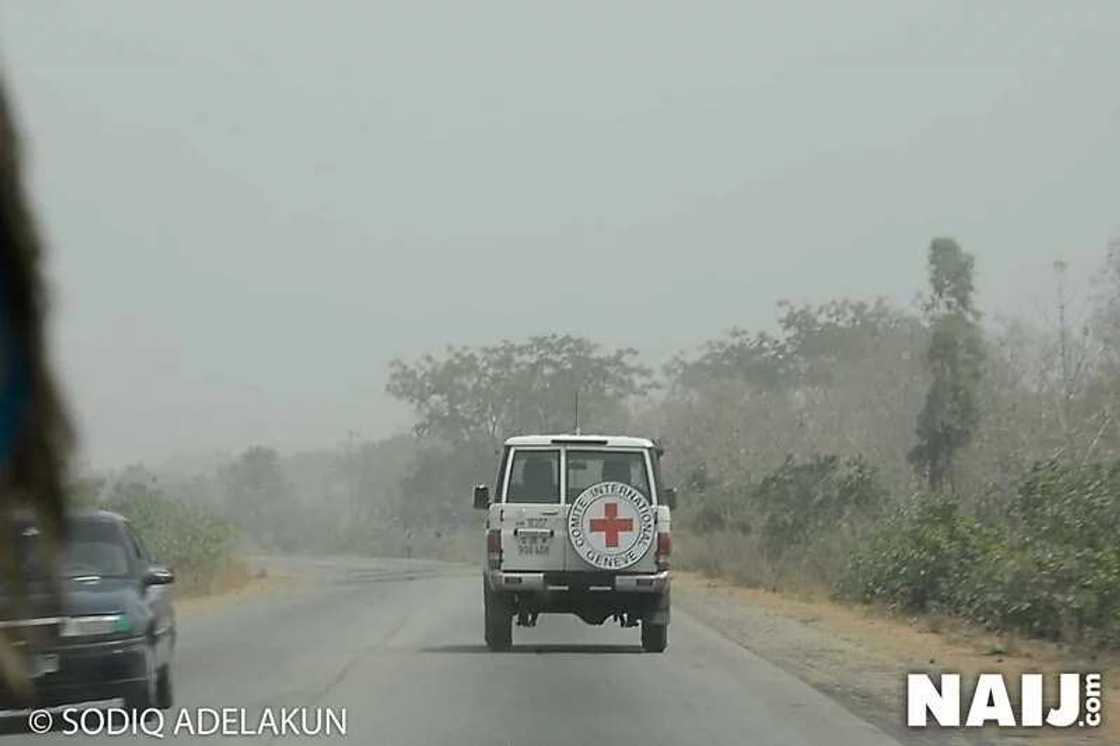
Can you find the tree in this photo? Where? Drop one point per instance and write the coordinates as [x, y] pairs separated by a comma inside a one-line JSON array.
[[843, 377], [758, 359], [487, 393], [815, 345], [434, 491], [955, 358], [133, 482], [258, 496], [1106, 312]]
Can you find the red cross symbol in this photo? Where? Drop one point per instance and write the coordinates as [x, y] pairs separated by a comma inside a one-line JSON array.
[[611, 525]]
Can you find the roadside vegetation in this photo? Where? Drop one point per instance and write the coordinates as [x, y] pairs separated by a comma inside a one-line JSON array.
[[196, 542], [989, 478], [925, 458]]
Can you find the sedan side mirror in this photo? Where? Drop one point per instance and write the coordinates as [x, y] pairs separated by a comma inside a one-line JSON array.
[[158, 575], [481, 497], [669, 497]]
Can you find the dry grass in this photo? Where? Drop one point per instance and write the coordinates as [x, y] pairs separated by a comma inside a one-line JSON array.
[[240, 585], [232, 574], [805, 573]]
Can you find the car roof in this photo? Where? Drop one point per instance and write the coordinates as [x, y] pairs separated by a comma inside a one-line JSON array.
[[610, 441]]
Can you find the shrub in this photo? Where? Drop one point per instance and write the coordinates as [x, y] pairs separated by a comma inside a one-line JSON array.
[[793, 528], [1051, 568], [801, 501], [193, 541], [917, 557], [1071, 505], [792, 505], [718, 509]]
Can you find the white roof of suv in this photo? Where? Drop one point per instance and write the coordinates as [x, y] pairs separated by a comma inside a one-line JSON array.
[[615, 441]]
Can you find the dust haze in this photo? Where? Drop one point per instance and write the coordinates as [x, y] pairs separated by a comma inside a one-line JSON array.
[[253, 208], [853, 269]]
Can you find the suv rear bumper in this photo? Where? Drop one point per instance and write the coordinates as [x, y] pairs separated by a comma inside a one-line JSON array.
[[538, 582]]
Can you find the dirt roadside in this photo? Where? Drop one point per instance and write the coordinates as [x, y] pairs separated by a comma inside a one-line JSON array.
[[860, 657], [251, 586]]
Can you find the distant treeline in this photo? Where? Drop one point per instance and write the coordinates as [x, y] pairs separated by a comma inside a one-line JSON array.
[[925, 456]]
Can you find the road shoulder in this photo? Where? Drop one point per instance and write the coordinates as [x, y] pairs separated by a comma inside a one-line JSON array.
[[860, 658], [257, 585]]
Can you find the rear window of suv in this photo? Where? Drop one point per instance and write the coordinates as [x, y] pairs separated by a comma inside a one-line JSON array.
[[534, 477], [586, 468]]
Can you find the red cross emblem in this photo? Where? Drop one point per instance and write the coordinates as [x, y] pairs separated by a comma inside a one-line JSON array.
[[611, 525]]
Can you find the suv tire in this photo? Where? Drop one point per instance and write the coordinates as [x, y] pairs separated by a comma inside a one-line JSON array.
[[655, 637], [142, 695], [165, 695], [498, 621]]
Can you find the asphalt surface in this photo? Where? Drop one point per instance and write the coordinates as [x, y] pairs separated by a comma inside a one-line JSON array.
[[398, 644]]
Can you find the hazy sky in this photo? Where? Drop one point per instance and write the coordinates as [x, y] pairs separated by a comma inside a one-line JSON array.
[[253, 206]]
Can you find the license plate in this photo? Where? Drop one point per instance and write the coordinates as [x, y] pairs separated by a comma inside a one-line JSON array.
[[43, 663]]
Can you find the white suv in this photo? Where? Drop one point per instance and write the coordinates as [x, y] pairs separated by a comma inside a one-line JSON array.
[[578, 524]]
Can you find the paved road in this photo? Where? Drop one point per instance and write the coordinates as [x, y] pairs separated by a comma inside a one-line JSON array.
[[398, 644]]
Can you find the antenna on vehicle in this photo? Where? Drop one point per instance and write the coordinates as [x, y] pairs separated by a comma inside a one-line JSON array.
[[577, 412]]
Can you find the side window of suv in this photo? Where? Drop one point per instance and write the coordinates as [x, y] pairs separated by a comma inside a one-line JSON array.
[[501, 472], [534, 477]]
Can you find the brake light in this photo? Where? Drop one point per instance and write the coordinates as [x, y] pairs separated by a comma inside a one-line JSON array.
[[494, 548], [664, 549]]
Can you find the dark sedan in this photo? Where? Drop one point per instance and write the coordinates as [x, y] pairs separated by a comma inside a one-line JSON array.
[[109, 634]]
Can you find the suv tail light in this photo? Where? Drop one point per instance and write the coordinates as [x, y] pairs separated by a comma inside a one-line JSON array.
[[664, 549], [494, 548]]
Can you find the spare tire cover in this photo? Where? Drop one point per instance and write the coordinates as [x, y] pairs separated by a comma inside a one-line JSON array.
[[611, 525]]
